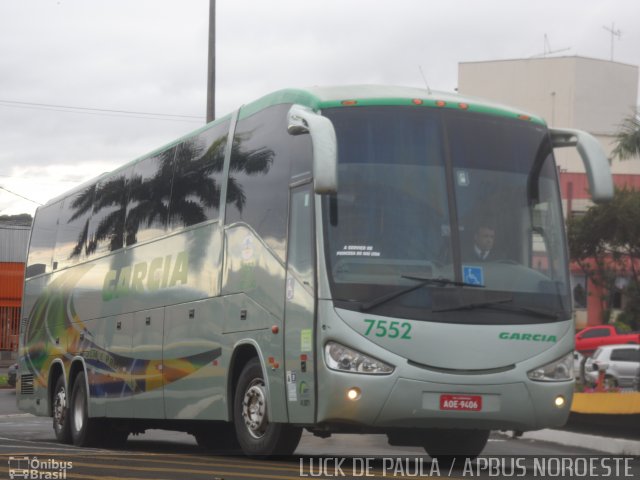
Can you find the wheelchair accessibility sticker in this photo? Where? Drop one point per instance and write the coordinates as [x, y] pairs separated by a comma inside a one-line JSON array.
[[472, 275]]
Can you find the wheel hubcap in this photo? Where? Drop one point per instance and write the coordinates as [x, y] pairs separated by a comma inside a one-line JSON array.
[[254, 409], [78, 412], [59, 407]]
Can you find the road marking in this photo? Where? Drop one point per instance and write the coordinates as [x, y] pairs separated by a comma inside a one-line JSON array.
[[72, 474], [208, 462]]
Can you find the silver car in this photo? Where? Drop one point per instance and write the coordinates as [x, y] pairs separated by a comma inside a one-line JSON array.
[[621, 364]]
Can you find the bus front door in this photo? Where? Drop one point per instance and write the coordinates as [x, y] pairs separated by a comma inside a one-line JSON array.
[[300, 309]]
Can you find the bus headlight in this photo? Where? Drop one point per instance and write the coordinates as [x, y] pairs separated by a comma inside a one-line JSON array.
[[559, 370], [343, 359]]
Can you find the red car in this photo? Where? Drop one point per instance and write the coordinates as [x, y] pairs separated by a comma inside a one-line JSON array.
[[589, 339]]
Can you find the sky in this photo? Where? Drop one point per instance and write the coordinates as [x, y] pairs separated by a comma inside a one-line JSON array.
[[106, 57]]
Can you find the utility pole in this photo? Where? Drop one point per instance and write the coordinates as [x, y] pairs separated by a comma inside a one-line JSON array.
[[211, 70], [614, 33]]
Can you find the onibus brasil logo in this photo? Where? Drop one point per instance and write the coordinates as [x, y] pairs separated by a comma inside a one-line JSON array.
[[34, 468]]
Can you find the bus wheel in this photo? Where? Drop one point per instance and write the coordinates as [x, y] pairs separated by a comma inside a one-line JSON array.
[[84, 430], [61, 425], [256, 435], [454, 446]]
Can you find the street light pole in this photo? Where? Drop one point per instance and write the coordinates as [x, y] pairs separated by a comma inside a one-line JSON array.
[[211, 70]]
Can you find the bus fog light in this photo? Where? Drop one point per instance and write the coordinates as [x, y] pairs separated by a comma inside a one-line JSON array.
[[559, 370], [560, 401], [344, 359], [354, 393]]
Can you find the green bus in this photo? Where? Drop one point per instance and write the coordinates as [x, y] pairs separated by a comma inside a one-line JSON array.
[[303, 264]]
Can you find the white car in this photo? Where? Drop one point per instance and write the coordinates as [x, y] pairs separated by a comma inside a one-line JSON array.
[[578, 359], [621, 364]]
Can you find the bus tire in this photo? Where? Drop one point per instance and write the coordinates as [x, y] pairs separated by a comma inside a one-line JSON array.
[[256, 435], [60, 409], [453, 446], [84, 430]]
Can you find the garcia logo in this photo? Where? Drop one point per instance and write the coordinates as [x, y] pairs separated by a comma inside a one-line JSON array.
[[528, 337], [161, 272]]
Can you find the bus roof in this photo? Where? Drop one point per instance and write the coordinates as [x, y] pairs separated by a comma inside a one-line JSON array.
[[319, 98]]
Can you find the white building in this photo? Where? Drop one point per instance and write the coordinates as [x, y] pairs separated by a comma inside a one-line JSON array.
[[571, 92]]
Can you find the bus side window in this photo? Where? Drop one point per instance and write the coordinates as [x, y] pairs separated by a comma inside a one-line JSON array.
[[197, 180], [300, 236], [106, 227], [73, 226], [260, 173], [148, 199], [43, 240]]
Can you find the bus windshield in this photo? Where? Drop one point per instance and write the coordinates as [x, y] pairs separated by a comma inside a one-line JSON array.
[[441, 211]]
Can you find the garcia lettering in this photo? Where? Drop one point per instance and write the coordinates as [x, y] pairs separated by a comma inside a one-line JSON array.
[[161, 272], [527, 337]]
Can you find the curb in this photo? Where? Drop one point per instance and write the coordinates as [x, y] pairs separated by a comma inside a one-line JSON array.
[[618, 403], [614, 446]]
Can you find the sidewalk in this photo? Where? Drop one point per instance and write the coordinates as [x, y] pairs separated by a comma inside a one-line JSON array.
[[599, 424]]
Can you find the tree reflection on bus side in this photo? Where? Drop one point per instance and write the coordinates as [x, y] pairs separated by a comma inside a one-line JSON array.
[[185, 190]]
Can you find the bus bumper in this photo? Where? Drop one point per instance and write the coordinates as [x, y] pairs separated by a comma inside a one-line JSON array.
[[410, 403]]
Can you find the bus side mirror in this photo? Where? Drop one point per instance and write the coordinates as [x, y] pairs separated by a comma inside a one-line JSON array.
[[302, 120], [595, 161]]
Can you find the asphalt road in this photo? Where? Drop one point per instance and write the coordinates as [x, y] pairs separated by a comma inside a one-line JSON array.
[[27, 445]]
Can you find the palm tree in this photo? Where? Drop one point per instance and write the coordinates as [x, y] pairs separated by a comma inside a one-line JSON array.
[[628, 137]]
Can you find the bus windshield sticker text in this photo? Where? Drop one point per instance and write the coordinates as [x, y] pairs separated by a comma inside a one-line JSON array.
[[161, 272], [357, 251], [389, 329]]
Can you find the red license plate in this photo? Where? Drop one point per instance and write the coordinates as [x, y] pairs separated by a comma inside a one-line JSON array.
[[469, 403]]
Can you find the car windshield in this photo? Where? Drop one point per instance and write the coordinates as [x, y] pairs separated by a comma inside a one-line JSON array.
[[450, 195]]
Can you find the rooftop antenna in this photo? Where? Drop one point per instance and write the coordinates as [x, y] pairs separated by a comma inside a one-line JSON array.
[[424, 79], [614, 33], [547, 49]]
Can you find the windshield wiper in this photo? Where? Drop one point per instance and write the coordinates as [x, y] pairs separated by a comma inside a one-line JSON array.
[[442, 282], [504, 305]]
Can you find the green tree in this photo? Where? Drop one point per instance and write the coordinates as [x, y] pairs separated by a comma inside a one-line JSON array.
[[605, 242], [23, 219], [628, 138]]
